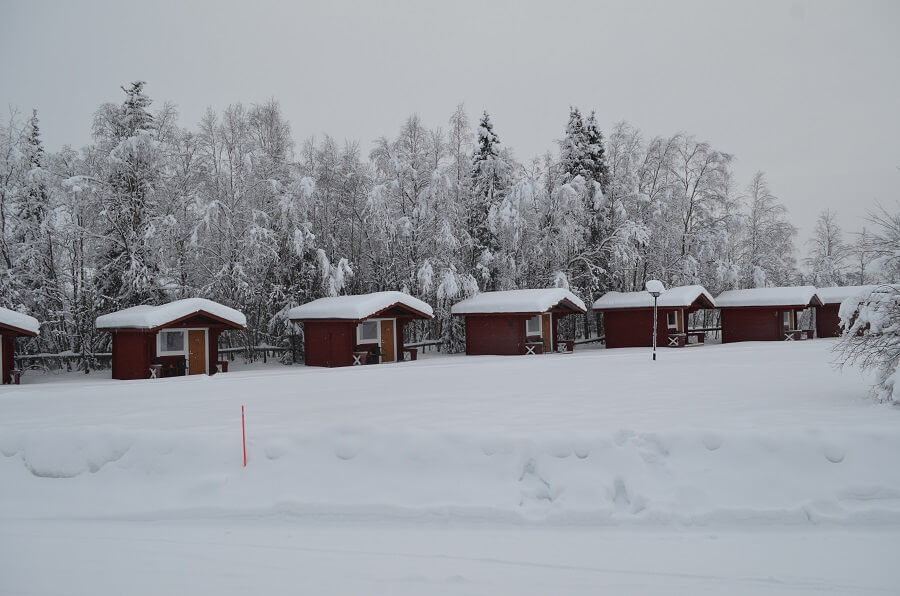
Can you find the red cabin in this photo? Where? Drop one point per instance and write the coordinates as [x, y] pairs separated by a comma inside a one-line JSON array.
[[515, 322], [628, 317], [12, 325], [828, 320], [174, 339], [765, 314], [362, 329]]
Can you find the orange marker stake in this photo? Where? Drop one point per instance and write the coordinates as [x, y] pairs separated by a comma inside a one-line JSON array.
[[244, 436]]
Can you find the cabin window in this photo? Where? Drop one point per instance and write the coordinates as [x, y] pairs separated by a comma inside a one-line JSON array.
[[672, 319], [533, 325], [171, 342], [367, 332]]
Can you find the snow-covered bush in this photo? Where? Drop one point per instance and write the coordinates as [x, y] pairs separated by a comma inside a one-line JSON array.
[[871, 338]]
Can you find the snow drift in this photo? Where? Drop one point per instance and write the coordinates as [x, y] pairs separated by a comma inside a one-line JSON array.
[[559, 477]]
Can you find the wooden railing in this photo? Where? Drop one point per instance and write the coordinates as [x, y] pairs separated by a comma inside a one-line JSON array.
[[425, 344]]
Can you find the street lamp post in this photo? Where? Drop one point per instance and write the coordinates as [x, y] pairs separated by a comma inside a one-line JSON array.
[[655, 288]]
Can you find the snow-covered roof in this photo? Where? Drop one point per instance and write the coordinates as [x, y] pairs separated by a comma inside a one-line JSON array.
[[151, 317], [800, 296], [677, 297], [517, 301], [19, 321], [358, 307], [838, 294]]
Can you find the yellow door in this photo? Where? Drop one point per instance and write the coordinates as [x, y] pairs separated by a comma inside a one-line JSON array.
[[547, 330], [387, 340], [197, 351]]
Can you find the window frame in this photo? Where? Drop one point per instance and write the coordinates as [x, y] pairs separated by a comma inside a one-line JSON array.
[[540, 326], [377, 339], [160, 346], [787, 320], [669, 325]]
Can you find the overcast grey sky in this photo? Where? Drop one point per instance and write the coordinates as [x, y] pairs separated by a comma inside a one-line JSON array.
[[806, 91]]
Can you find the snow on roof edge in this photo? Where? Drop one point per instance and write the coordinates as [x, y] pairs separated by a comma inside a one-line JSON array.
[[17, 320], [800, 296], [357, 307], [677, 297], [517, 301], [150, 317]]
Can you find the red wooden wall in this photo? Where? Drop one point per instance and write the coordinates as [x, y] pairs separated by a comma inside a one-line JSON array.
[[329, 343], [8, 363], [633, 328], [332, 343], [828, 323], [753, 324], [132, 351], [498, 335]]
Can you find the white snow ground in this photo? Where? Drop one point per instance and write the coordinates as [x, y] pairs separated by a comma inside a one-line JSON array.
[[744, 468]]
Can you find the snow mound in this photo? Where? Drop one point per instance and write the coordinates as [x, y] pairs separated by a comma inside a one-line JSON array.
[[357, 307], [149, 317], [17, 320], [518, 301]]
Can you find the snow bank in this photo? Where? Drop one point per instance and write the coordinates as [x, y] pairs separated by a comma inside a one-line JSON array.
[[800, 296], [584, 478], [357, 307], [150, 317], [17, 320], [517, 301], [681, 296]]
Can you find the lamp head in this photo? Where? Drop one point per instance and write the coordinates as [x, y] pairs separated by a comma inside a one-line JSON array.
[[655, 288]]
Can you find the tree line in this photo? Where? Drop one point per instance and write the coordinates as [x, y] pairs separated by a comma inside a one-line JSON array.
[[234, 210]]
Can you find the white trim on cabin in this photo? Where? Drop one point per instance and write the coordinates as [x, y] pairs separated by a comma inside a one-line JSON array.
[[540, 327], [670, 325], [186, 350], [787, 320], [378, 338]]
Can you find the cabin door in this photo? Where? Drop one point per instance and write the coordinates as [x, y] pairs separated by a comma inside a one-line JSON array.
[[547, 328], [388, 342], [197, 351]]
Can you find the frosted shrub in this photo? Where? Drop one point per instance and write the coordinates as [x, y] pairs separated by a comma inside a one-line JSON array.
[[871, 338]]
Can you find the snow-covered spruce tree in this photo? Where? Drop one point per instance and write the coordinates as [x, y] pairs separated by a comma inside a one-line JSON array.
[[491, 170], [35, 266], [131, 165], [826, 263], [595, 161]]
